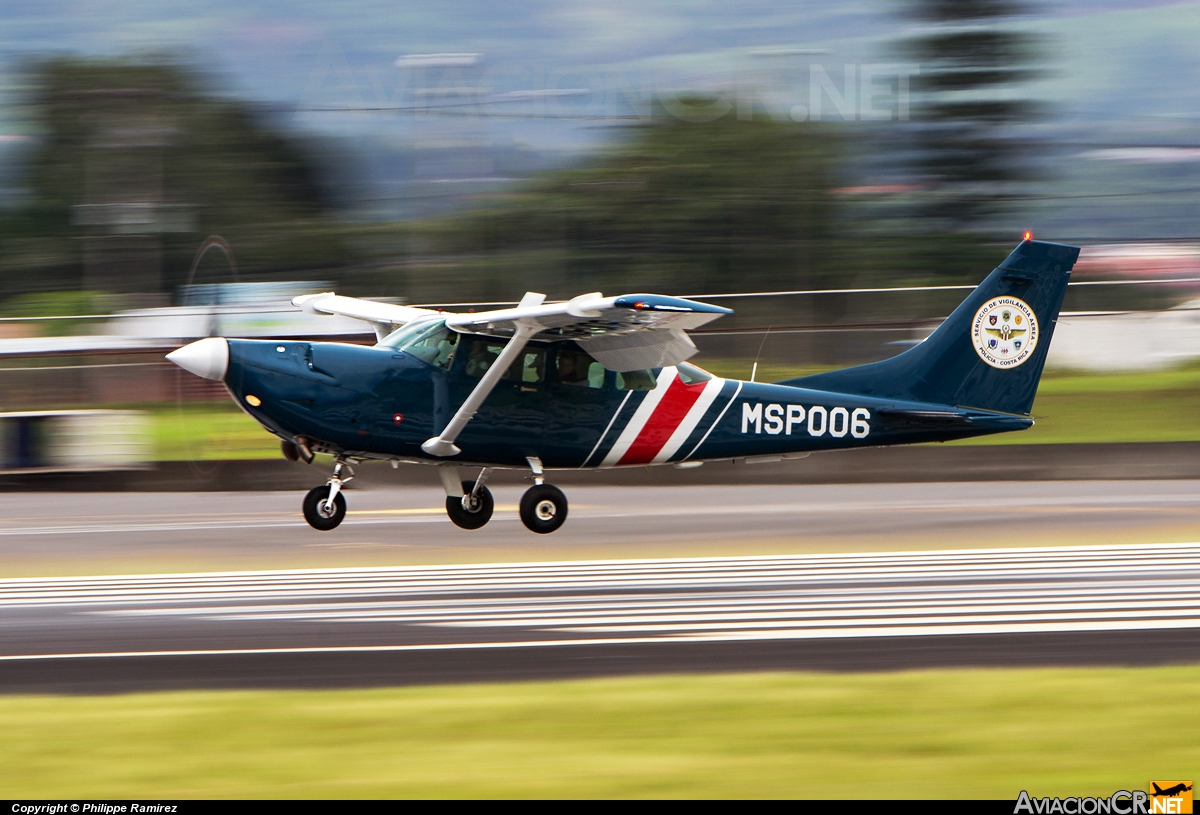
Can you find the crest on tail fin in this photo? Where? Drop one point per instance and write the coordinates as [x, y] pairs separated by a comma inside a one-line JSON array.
[[1005, 332]]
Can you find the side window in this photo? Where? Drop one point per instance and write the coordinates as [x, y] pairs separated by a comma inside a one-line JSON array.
[[530, 367], [576, 367], [636, 380]]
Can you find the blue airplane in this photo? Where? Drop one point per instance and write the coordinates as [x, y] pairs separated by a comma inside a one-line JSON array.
[[598, 382]]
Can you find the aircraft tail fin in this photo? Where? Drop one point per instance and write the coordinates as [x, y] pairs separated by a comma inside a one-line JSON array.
[[989, 353]]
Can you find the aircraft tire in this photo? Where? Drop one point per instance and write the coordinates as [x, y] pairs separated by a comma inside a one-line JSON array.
[[471, 519], [313, 514], [543, 508]]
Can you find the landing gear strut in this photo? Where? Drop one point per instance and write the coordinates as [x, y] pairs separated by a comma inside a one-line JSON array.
[[543, 506], [325, 507]]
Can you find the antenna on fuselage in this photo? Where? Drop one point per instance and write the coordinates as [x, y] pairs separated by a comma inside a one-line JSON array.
[[754, 367]]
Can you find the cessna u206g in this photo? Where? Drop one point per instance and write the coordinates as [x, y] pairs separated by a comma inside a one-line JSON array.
[[601, 382]]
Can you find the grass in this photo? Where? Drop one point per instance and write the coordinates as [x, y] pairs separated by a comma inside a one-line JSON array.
[[201, 431], [1072, 407], [926, 734]]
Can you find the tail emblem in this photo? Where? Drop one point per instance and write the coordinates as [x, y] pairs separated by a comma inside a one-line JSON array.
[[1004, 332]]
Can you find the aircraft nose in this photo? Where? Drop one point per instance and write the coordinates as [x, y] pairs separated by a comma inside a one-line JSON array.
[[208, 358]]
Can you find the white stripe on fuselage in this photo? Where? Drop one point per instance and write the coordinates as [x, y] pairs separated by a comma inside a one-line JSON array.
[[712, 389], [640, 416], [607, 428], [717, 420]]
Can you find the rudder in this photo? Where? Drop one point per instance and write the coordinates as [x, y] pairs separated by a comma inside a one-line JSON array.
[[949, 367]]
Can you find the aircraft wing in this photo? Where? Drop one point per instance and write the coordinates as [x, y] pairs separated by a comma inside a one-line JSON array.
[[625, 333], [383, 317]]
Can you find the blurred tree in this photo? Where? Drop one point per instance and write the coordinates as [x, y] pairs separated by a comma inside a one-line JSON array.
[[968, 103], [678, 207], [137, 162]]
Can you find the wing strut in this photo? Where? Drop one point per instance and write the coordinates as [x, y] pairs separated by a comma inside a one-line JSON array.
[[443, 444]]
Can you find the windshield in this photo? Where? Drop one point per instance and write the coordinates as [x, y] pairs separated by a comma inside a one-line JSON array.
[[406, 332], [433, 343]]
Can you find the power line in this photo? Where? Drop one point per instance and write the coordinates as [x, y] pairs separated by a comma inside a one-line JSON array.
[[220, 311], [1157, 281]]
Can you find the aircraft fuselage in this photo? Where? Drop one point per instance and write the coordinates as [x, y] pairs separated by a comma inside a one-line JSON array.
[[378, 402]]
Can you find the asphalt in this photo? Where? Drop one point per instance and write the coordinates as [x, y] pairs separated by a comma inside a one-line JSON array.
[[72, 533], [389, 625]]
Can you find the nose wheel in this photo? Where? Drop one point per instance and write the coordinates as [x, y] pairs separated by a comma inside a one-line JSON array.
[[325, 506], [320, 512], [543, 508]]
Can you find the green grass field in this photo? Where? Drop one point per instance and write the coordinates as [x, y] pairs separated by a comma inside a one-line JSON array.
[[927, 734], [1071, 408], [208, 431], [1074, 407]]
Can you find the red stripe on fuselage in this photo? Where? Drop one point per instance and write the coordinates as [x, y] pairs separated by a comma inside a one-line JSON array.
[[675, 404]]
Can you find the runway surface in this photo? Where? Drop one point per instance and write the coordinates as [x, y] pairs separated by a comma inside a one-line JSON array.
[[1132, 604], [94, 533]]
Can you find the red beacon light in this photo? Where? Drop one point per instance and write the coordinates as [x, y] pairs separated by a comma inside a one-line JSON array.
[[1028, 236]]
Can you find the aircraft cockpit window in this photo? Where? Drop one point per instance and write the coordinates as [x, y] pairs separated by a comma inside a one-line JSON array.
[[403, 334], [432, 343], [577, 367], [690, 374], [530, 367], [636, 380]]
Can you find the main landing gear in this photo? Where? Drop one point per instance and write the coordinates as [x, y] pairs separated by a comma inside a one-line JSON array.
[[325, 507], [543, 506], [469, 503], [472, 507]]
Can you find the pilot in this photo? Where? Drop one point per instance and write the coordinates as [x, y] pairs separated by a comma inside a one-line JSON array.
[[445, 351]]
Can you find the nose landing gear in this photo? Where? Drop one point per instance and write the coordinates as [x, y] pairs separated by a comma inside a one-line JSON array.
[[543, 506], [325, 507]]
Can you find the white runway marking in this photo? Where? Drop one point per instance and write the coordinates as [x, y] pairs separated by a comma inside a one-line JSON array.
[[610, 602]]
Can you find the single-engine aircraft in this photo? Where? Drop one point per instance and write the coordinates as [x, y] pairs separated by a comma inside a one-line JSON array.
[[598, 382]]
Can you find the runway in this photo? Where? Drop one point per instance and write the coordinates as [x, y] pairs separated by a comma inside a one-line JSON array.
[[98, 533], [1133, 604]]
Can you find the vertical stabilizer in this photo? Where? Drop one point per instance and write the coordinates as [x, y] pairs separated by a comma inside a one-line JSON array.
[[989, 353]]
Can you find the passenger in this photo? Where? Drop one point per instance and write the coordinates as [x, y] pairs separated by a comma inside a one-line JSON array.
[[578, 368], [567, 373], [479, 359]]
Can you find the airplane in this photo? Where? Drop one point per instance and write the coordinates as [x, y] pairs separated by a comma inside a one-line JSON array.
[[1170, 792], [598, 382]]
